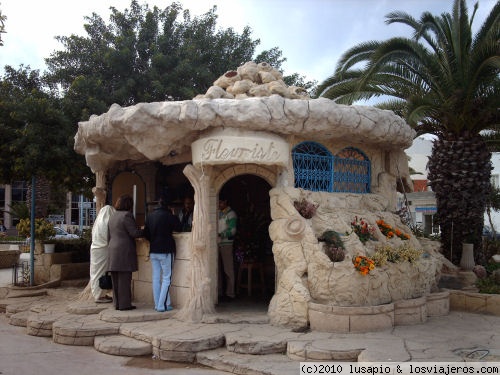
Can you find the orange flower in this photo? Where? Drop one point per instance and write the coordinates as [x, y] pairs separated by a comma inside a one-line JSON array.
[[363, 264]]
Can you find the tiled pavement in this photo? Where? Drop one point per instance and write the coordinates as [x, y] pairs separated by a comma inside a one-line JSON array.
[[239, 339]]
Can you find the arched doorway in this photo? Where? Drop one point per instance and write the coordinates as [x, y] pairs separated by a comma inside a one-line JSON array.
[[248, 196]]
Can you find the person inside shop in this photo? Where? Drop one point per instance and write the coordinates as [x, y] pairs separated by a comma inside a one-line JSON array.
[[186, 214], [227, 231]]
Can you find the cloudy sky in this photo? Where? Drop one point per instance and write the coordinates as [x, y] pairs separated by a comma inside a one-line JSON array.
[[311, 33]]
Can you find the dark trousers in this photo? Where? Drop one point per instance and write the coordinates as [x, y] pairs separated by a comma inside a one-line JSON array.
[[122, 289]]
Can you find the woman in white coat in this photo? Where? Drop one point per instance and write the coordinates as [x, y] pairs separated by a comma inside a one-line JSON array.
[[99, 253]]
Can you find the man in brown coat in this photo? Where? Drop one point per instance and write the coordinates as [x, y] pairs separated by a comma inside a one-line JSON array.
[[122, 254]]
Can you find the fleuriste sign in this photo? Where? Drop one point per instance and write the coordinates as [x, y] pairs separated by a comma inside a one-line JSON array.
[[224, 149]]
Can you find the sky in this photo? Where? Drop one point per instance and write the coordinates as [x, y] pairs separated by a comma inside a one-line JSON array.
[[312, 34]]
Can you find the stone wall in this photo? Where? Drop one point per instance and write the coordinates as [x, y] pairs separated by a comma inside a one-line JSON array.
[[305, 273]]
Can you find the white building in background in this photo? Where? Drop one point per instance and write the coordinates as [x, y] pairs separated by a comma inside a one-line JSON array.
[[422, 202]]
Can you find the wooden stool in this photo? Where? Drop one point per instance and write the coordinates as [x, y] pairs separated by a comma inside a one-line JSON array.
[[250, 267]]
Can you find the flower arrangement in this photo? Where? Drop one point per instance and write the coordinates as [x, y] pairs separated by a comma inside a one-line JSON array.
[[306, 209], [362, 229], [334, 246], [363, 264], [387, 253], [389, 232], [43, 229]]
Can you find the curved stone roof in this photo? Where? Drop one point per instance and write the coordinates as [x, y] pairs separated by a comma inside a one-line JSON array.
[[149, 131], [253, 97]]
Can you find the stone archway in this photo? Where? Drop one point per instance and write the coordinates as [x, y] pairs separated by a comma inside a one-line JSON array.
[[248, 193], [226, 174]]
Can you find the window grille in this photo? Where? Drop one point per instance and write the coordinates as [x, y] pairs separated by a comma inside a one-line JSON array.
[[316, 169]]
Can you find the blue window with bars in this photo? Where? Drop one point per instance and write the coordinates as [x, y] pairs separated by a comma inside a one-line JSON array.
[[316, 169]]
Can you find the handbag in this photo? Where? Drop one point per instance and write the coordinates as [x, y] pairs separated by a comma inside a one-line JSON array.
[[105, 281]]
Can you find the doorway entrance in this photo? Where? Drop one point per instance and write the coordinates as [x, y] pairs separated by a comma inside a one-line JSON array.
[[248, 196]]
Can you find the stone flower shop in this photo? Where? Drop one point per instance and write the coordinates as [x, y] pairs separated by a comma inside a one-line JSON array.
[[271, 148]]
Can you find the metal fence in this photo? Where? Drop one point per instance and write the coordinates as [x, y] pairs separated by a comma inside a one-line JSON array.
[[316, 169]]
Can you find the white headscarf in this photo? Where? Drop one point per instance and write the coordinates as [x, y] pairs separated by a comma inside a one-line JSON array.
[[100, 228]]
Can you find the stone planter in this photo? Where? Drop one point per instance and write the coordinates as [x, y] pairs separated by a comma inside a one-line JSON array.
[[339, 319], [467, 260], [410, 311], [438, 304], [478, 303], [49, 248], [9, 257]]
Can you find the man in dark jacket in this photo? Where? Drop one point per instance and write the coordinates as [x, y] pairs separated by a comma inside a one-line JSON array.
[[158, 230]]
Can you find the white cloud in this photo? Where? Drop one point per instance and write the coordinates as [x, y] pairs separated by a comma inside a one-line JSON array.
[[312, 34]]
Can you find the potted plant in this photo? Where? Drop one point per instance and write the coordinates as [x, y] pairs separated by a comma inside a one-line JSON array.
[[467, 259], [334, 247], [44, 230]]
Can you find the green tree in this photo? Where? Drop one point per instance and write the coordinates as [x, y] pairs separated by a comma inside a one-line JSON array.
[[37, 137], [146, 54], [3, 18], [443, 81]]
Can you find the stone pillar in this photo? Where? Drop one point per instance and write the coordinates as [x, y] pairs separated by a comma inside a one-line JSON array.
[[67, 213], [7, 218], [100, 190], [200, 301]]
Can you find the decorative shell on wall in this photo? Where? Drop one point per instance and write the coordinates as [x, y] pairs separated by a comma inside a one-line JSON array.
[[252, 80]]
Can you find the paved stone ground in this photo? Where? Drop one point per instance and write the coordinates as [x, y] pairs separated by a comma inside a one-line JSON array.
[[24, 354], [238, 339]]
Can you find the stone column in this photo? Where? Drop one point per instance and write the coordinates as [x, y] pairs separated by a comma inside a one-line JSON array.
[[7, 218], [200, 301], [99, 190]]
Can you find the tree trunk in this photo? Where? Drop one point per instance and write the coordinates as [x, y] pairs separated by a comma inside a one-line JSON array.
[[459, 174], [42, 196]]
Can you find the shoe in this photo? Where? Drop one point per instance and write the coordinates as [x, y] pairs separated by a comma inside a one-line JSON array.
[[169, 308], [128, 308], [160, 310]]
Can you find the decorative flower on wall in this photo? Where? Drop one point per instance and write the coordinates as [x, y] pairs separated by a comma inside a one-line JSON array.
[[306, 208], [363, 264], [364, 230], [389, 232]]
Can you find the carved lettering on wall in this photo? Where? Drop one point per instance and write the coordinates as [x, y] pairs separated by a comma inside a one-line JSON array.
[[216, 149], [231, 149]]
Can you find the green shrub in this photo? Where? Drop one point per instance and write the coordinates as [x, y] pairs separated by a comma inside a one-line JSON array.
[[488, 285]]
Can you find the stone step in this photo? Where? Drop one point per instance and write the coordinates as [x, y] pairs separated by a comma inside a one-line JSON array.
[[13, 306], [80, 330], [18, 293], [81, 282], [259, 340], [352, 348], [178, 341], [272, 364], [143, 313], [122, 345], [40, 324], [19, 319], [87, 307]]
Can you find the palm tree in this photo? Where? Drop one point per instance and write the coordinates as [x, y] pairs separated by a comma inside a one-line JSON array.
[[444, 81]]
